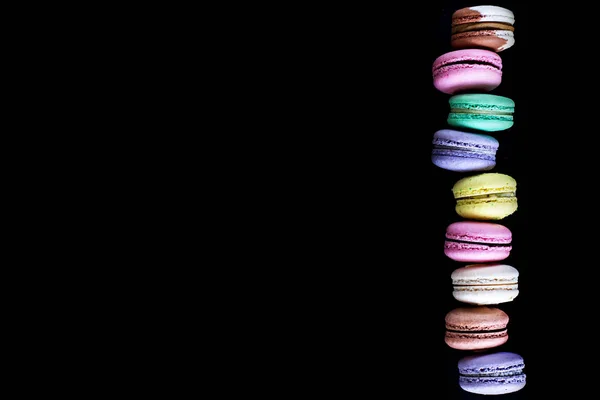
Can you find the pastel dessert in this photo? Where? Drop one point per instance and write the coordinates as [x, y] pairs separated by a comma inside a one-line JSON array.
[[484, 27], [467, 70], [477, 241], [483, 284], [492, 373], [481, 111], [464, 152], [476, 328], [485, 196]]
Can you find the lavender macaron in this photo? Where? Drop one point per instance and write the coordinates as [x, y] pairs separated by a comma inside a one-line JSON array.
[[492, 373], [464, 152]]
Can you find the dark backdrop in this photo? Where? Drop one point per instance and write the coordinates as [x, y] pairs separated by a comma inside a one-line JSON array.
[[377, 208], [370, 209]]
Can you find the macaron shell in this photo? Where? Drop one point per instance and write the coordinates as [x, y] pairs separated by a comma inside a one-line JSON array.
[[486, 123], [492, 385], [479, 253], [497, 363], [475, 341], [475, 141], [456, 161], [486, 295], [473, 319], [484, 184], [482, 101], [459, 78], [485, 13], [468, 56], [493, 40], [485, 274], [481, 232], [486, 209]]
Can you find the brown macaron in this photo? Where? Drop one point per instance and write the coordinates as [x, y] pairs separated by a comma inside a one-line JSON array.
[[483, 27], [476, 328]]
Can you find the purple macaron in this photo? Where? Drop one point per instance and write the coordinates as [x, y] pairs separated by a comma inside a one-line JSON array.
[[492, 374], [463, 151]]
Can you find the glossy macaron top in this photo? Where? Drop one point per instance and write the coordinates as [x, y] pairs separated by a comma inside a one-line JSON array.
[[467, 59], [479, 232], [493, 364], [486, 13], [485, 274], [484, 184], [476, 319], [482, 102]]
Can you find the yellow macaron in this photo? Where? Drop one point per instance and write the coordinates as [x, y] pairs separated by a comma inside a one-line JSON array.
[[486, 196]]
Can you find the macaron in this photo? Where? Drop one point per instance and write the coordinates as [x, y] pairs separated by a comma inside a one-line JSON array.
[[485, 196], [467, 70], [483, 284], [476, 328], [495, 373], [486, 27], [477, 241], [464, 152], [481, 111]]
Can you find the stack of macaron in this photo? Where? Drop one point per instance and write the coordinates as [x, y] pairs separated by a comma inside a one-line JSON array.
[[478, 239]]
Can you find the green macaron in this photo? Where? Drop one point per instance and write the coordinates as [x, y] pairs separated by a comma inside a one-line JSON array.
[[484, 112]]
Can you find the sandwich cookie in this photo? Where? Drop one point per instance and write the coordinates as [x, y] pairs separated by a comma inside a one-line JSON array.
[[486, 27], [477, 241], [464, 152], [481, 112], [485, 196], [492, 374], [467, 70], [476, 328], [482, 284]]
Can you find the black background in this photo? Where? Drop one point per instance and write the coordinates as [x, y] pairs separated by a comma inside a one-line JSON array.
[[371, 209], [359, 211], [332, 218]]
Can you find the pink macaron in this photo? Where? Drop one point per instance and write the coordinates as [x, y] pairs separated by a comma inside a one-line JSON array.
[[468, 70], [477, 241]]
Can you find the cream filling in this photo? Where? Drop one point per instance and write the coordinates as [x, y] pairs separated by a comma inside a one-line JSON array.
[[483, 288], [490, 196], [485, 282], [484, 112]]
